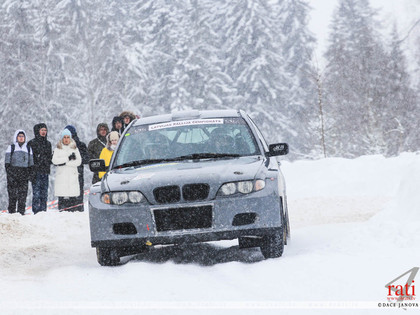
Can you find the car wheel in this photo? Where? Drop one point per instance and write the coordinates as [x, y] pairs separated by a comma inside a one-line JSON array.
[[272, 245], [107, 256]]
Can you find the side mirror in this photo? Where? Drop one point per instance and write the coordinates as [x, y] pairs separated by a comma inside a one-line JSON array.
[[97, 165], [277, 149]]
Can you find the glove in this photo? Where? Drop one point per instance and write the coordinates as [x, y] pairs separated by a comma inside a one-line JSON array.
[[72, 156]]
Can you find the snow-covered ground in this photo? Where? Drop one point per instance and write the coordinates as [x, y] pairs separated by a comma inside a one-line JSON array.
[[355, 227]]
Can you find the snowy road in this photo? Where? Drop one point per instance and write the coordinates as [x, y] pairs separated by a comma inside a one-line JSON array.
[[355, 227]]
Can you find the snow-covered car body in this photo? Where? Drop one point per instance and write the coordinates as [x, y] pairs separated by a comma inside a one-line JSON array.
[[186, 177]]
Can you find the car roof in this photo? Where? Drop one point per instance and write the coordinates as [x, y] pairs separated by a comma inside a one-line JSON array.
[[187, 115]]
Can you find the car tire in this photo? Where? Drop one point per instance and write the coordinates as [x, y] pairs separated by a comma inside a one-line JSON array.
[[287, 231], [285, 221], [272, 245], [286, 217], [107, 256]]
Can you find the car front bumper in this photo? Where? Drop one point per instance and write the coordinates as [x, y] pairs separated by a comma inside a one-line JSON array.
[[128, 225]]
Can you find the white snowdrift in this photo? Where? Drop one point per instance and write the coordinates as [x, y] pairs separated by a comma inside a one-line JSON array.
[[355, 227]]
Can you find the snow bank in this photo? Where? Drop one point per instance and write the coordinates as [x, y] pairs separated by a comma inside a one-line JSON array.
[[355, 227], [363, 176], [406, 204]]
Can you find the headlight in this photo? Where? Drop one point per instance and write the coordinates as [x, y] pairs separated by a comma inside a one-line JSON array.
[[121, 197], [243, 187], [135, 196], [118, 198], [228, 189]]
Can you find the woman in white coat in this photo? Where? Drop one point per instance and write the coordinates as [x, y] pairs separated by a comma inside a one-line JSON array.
[[66, 158]]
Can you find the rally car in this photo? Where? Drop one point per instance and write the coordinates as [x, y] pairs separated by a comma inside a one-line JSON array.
[[186, 177]]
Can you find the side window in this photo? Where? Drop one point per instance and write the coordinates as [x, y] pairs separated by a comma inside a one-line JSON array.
[[260, 135], [244, 141], [130, 149]]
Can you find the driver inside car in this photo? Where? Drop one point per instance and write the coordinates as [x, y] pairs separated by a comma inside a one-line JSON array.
[[157, 148], [221, 142], [152, 151]]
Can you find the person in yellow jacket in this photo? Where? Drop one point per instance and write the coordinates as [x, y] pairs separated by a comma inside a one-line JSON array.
[[106, 153]]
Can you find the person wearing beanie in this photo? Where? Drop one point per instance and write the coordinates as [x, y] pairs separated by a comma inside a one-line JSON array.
[[66, 158], [42, 154], [66, 132], [18, 162], [111, 144], [81, 146], [117, 125], [96, 145]]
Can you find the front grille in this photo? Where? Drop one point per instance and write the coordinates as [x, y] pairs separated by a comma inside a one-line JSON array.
[[193, 192], [183, 218], [167, 194]]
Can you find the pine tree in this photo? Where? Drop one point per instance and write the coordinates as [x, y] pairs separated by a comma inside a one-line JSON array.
[[19, 68], [356, 81], [401, 133], [250, 39], [296, 45]]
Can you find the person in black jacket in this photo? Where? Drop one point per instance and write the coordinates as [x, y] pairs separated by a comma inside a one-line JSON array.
[[85, 160], [96, 145], [42, 154], [117, 124]]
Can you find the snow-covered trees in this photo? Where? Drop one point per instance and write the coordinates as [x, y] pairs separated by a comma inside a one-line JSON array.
[[296, 46], [399, 126], [253, 60], [82, 62], [366, 107]]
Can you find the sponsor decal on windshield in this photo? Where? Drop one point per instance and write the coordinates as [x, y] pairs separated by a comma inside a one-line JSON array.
[[185, 123]]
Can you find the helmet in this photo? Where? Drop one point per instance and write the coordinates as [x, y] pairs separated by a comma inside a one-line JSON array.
[[156, 146], [221, 141]]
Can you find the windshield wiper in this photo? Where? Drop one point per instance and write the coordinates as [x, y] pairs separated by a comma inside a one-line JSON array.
[[196, 156], [143, 162]]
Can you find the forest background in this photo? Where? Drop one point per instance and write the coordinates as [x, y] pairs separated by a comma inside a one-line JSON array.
[[82, 62]]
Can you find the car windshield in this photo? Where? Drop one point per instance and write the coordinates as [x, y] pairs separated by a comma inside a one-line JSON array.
[[184, 140]]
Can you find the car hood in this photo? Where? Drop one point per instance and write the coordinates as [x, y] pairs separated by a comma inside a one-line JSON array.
[[212, 171]]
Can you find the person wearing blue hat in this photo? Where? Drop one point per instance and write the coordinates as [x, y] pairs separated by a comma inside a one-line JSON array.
[[66, 158]]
